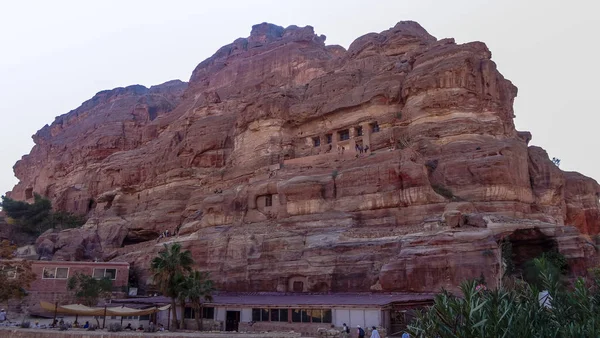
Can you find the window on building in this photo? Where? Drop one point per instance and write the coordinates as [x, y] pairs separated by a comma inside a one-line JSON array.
[[108, 273], [296, 316], [375, 127], [55, 273], [316, 141], [298, 286], [329, 138], [320, 315], [268, 200], [311, 315], [327, 316], [207, 313], [279, 315], [10, 272], [305, 317], [359, 131], [188, 313], [145, 317], [344, 134], [260, 315]]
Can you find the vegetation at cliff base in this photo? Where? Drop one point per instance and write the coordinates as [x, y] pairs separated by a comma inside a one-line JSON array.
[[548, 307], [37, 217], [174, 277], [88, 290]]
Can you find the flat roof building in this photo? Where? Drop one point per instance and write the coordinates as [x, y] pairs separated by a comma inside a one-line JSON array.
[[304, 313]]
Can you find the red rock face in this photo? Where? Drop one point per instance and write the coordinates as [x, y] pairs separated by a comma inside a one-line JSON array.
[[245, 162]]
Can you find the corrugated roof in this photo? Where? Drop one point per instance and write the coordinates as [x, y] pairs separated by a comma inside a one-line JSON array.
[[295, 300]]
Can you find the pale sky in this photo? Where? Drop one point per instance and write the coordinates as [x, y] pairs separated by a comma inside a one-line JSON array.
[[56, 54]]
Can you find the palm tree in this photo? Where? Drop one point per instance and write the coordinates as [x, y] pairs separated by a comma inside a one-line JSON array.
[[168, 268], [197, 288]]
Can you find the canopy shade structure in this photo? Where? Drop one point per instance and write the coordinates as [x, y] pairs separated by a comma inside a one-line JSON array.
[[82, 310]]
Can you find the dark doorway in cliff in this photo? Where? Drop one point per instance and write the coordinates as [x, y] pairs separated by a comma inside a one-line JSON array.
[[91, 205], [28, 193], [524, 245]]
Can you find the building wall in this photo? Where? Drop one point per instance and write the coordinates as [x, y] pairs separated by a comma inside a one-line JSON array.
[[55, 290], [42, 284], [351, 316]]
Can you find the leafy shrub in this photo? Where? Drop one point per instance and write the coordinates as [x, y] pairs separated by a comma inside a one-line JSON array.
[[25, 325], [37, 217], [570, 311]]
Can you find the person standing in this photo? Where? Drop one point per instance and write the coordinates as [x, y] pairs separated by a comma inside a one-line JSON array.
[[375, 333], [360, 331], [345, 331], [405, 335], [2, 316]]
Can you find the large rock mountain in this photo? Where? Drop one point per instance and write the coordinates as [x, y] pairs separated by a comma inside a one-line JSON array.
[[255, 164]]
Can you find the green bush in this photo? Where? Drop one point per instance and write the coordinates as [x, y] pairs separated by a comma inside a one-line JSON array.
[[25, 325], [37, 217], [570, 311]]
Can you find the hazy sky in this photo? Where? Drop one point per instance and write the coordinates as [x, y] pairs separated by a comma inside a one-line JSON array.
[[57, 54]]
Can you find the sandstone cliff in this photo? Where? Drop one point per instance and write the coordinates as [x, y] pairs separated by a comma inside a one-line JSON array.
[[254, 164]]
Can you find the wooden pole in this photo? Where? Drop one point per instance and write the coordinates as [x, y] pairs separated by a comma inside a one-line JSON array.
[[169, 320], [104, 320], [121, 320], [55, 309]]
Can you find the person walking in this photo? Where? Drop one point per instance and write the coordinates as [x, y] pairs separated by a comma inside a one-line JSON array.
[[375, 333], [360, 331], [2, 316], [345, 331]]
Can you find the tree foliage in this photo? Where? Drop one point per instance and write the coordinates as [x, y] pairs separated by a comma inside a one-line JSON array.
[[15, 275], [197, 288], [570, 311], [88, 290], [37, 217], [169, 269]]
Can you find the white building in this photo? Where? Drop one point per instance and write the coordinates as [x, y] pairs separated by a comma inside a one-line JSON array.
[[305, 313]]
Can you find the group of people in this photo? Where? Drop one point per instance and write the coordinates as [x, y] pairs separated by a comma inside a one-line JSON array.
[[360, 332], [164, 234], [360, 149]]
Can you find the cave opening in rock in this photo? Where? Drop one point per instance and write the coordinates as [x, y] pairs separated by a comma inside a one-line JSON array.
[[139, 235], [524, 245], [29, 193]]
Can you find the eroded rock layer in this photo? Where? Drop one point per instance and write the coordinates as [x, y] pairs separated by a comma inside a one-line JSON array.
[[287, 163]]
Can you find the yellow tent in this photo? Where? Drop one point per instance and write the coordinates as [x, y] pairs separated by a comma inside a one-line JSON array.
[[82, 310]]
